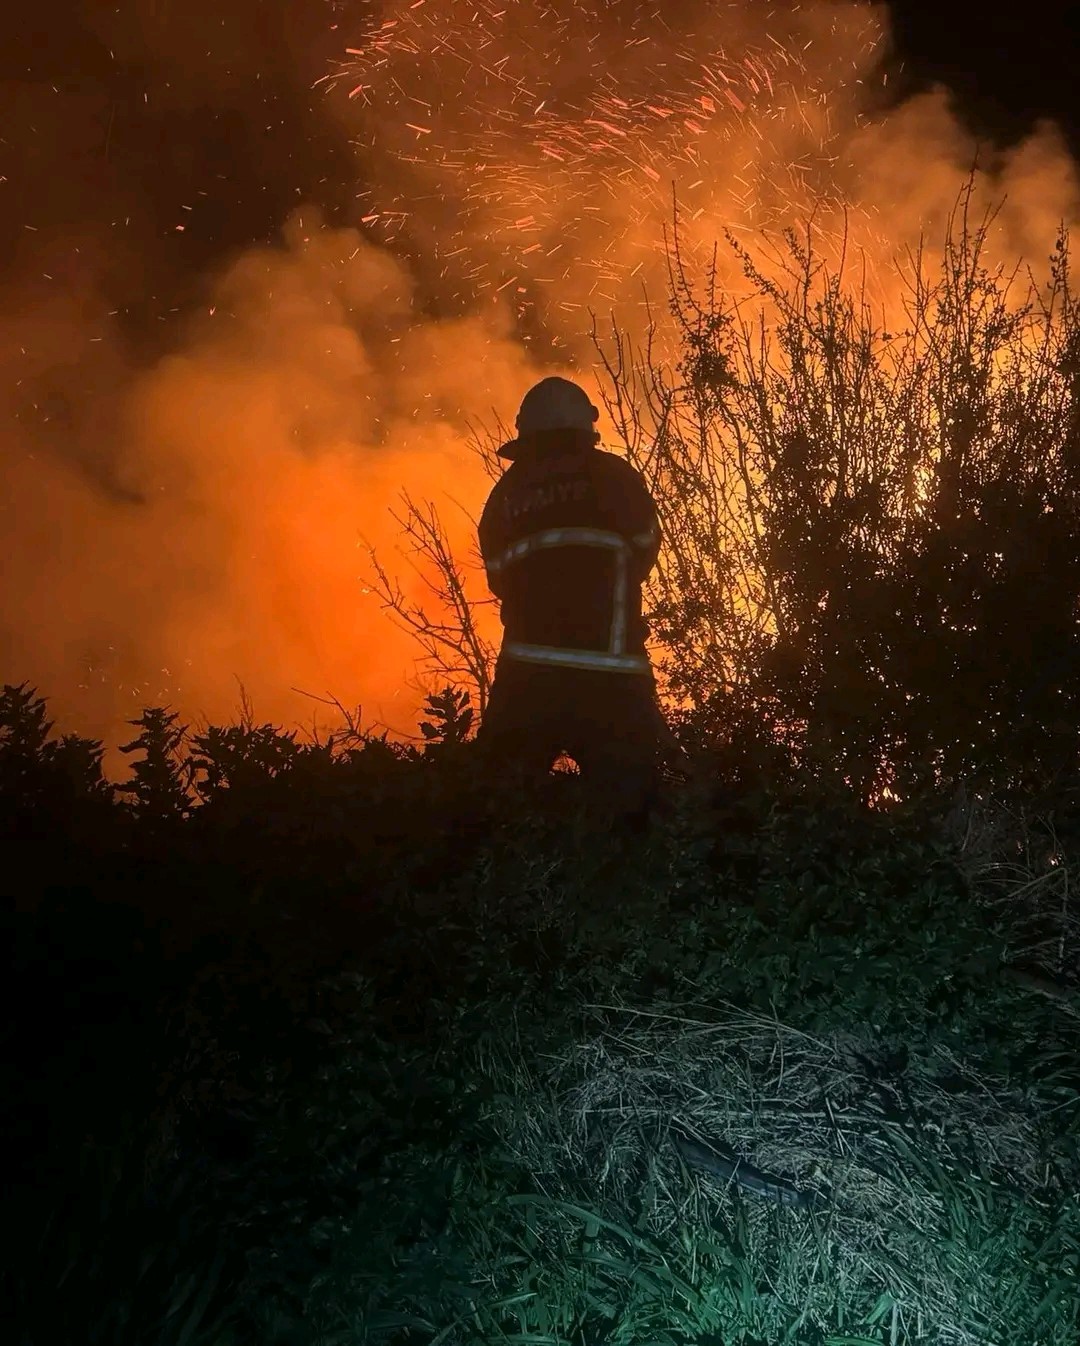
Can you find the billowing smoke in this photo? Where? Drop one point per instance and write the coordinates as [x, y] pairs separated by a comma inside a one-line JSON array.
[[183, 505], [178, 530]]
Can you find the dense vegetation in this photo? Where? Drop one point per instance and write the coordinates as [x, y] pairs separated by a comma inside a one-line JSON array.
[[341, 1041], [872, 509]]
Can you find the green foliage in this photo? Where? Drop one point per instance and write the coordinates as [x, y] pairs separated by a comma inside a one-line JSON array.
[[118, 1262], [398, 1099]]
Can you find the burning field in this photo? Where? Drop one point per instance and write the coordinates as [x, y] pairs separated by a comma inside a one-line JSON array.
[[187, 506]]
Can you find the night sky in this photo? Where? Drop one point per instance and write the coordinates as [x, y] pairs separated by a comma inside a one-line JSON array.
[[1006, 65]]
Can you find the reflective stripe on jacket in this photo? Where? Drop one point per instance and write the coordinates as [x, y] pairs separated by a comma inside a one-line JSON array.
[[567, 540]]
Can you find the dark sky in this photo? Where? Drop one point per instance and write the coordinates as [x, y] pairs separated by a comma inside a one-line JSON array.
[[235, 164], [1007, 64]]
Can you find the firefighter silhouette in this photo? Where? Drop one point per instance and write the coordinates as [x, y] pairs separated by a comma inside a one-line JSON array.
[[568, 536]]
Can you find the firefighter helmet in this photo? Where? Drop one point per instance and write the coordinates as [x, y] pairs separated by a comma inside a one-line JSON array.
[[552, 404]]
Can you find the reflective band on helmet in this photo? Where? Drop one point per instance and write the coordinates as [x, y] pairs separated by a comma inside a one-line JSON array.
[[594, 659]]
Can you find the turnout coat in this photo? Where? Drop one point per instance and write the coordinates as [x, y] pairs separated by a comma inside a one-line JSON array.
[[568, 536]]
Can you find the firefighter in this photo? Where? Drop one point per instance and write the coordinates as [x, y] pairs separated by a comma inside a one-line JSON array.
[[568, 536]]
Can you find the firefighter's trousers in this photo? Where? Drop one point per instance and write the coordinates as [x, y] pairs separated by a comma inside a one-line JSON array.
[[609, 724]]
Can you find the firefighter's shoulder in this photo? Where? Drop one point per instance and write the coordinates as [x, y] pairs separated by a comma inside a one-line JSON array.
[[621, 475], [507, 481], [615, 463]]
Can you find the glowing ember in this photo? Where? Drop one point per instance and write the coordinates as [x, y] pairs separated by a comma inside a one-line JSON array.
[[546, 139], [540, 145]]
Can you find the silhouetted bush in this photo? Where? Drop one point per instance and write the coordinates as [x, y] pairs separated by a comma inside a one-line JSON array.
[[159, 795], [872, 536], [47, 783]]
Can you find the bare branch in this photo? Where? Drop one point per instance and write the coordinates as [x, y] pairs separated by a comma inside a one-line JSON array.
[[446, 630]]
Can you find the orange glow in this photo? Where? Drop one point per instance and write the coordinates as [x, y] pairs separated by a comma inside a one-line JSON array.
[[202, 529]]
